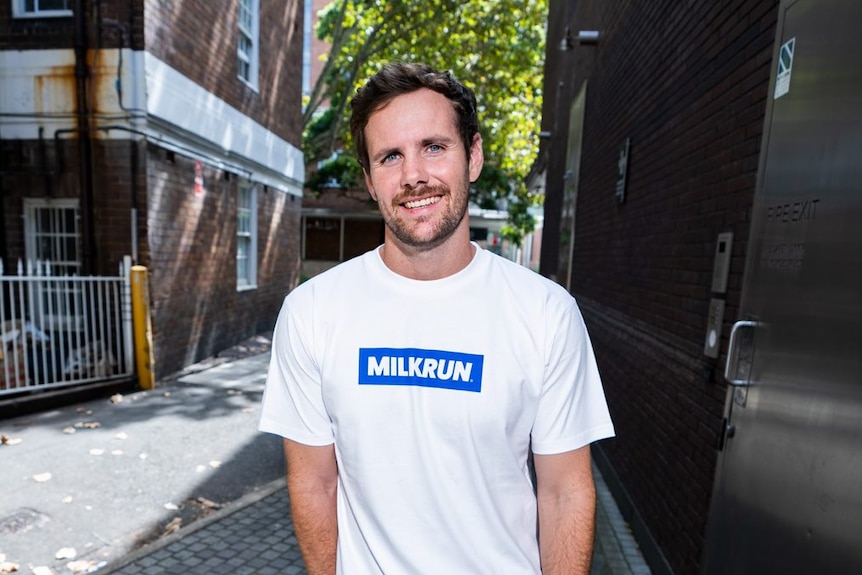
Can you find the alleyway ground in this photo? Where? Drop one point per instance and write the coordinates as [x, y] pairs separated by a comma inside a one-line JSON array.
[[176, 481], [123, 474]]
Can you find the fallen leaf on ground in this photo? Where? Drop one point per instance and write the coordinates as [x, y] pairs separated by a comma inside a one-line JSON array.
[[42, 570], [67, 499], [204, 502], [69, 430], [97, 452], [173, 526], [121, 435], [234, 392], [172, 506], [117, 452], [215, 464], [143, 455], [81, 566], [84, 410], [9, 567], [6, 440], [88, 424], [116, 398], [42, 477], [248, 410], [66, 553]]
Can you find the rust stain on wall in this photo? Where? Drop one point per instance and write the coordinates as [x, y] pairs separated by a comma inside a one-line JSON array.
[[55, 88], [54, 91]]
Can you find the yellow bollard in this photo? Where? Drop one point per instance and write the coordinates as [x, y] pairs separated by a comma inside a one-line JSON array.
[[143, 328]]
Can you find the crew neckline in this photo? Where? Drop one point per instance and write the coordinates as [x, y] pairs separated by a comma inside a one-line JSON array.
[[450, 279]]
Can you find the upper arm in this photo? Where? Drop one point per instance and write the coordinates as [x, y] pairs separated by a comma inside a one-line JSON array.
[[562, 475], [310, 467]]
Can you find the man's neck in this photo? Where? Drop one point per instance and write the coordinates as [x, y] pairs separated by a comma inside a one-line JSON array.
[[435, 263]]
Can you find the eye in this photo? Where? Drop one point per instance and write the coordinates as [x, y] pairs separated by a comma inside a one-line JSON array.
[[435, 148], [388, 158]]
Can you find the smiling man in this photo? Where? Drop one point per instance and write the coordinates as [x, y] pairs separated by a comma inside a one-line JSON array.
[[415, 384]]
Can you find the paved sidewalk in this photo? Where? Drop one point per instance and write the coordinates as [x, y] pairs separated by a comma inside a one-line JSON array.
[[255, 537]]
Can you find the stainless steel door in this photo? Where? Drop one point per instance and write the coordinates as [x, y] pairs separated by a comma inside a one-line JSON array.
[[788, 495]]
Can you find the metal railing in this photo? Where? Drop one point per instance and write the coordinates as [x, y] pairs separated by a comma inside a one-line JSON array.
[[58, 331]]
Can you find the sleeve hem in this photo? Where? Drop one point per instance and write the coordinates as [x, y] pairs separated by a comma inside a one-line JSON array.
[[576, 442], [286, 433]]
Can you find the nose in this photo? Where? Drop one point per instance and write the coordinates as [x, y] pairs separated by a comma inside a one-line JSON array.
[[413, 171]]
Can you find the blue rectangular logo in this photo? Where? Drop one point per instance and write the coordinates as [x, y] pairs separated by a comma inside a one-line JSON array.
[[420, 367]]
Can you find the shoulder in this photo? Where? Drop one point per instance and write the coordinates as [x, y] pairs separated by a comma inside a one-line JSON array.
[[342, 277], [524, 279]]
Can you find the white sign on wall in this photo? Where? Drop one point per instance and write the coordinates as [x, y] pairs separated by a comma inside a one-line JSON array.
[[785, 65]]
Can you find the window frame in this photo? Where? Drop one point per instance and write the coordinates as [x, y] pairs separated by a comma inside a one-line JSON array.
[[250, 211], [59, 305], [31, 230], [249, 59], [19, 10]]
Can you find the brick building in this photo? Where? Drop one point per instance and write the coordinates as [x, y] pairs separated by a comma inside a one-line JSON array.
[[653, 118], [170, 132]]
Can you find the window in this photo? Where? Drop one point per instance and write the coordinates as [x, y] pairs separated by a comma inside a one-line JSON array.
[[52, 233], [247, 42], [246, 237], [307, 37], [338, 238], [52, 244], [41, 8]]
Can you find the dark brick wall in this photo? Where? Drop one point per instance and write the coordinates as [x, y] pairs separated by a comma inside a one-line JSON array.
[[199, 39], [109, 23], [121, 168], [51, 170], [196, 308], [687, 83]]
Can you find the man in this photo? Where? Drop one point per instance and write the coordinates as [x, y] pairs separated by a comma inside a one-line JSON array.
[[412, 384]]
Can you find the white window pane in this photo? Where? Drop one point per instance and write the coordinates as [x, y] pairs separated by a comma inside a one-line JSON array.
[[246, 242]]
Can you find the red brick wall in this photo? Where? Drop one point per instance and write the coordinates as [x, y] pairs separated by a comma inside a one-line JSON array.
[[687, 83], [199, 39], [188, 244], [197, 310]]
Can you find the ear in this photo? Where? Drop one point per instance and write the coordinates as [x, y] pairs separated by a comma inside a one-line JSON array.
[[477, 158], [369, 185]]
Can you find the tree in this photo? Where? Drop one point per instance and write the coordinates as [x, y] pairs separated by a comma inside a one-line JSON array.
[[494, 46]]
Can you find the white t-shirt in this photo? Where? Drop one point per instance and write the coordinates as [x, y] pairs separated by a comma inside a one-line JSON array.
[[434, 393]]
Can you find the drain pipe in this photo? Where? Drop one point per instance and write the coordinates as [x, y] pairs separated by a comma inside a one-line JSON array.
[[85, 144]]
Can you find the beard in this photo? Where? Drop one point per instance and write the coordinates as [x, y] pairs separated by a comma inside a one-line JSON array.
[[442, 225]]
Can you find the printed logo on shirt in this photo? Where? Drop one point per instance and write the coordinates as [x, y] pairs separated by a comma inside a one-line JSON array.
[[420, 367]]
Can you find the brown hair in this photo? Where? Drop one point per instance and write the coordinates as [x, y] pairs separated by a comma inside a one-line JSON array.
[[402, 78]]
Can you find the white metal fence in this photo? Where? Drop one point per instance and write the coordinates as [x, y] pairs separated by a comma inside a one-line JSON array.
[[59, 331]]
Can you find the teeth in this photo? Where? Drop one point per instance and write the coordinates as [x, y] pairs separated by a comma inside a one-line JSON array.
[[422, 203]]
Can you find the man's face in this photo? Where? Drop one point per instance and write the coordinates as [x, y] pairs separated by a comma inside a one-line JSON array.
[[418, 170]]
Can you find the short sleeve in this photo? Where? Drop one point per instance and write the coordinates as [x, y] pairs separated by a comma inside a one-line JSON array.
[[293, 404], [572, 410]]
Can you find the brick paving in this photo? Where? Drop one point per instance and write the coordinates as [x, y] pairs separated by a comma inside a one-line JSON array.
[[249, 538], [255, 537]]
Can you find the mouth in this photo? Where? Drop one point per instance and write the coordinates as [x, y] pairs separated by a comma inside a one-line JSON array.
[[421, 203], [423, 197]]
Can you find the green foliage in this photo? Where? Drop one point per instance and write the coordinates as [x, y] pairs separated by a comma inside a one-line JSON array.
[[344, 169], [492, 186], [494, 46], [315, 139]]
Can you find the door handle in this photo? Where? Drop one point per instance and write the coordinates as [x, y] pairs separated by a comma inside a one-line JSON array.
[[732, 364]]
